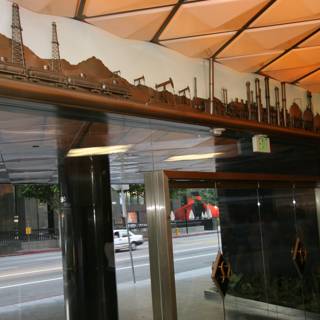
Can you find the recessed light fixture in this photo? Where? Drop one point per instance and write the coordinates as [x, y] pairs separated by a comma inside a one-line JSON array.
[[96, 151], [189, 157], [218, 131]]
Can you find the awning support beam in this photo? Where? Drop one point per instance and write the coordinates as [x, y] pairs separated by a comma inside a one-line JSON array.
[[244, 27], [174, 10], [80, 9], [306, 75], [296, 45]]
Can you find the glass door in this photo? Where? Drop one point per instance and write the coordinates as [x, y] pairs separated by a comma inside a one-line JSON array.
[[244, 248], [195, 223]]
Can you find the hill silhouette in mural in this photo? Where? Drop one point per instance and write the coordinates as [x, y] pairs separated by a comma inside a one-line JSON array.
[[93, 77], [90, 75]]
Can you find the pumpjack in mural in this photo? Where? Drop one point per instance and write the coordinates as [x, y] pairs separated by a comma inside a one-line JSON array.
[[19, 63]]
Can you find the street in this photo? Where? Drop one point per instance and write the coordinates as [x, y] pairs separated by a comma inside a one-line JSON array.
[[38, 276]]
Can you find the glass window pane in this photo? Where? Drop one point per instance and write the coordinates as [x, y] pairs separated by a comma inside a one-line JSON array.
[[307, 229], [284, 286], [196, 242], [242, 246]]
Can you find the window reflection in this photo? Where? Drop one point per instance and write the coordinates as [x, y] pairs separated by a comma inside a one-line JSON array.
[[255, 228]]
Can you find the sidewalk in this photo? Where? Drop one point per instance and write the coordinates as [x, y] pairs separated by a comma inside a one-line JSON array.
[[34, 251], [135, 304], [38, 249]]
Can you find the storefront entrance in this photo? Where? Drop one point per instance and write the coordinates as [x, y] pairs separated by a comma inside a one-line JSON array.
[[190, 207], [266, 231]]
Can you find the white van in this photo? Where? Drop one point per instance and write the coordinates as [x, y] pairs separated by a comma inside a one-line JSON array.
[[120, 238]]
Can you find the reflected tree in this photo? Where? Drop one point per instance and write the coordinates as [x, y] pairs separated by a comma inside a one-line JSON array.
[[47, 194]]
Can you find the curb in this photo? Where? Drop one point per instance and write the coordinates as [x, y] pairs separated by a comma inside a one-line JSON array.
[[186, 235], [23, 253]]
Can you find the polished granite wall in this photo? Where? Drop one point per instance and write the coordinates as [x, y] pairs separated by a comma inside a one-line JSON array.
[[260, 223]]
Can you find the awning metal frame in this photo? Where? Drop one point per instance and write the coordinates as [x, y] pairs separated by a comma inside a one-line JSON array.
[[79, 15]]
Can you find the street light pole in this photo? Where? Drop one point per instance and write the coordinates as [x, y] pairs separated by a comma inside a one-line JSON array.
[[125, 215]]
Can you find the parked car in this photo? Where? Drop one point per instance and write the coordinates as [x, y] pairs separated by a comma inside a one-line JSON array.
[[121, 239]]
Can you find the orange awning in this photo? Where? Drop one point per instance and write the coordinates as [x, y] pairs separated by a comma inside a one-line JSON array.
[[277, 38]]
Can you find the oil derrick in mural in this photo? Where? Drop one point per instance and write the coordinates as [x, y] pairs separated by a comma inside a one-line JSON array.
[[17, 43], [55, 53]]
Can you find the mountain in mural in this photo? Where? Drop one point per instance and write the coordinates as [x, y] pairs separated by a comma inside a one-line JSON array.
[[90, 75]]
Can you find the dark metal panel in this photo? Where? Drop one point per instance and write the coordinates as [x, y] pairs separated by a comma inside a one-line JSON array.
[[236, 176], [88, 252]]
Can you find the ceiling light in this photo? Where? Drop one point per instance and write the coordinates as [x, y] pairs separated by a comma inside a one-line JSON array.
[[218, 131], [96, 151], [189, 157]]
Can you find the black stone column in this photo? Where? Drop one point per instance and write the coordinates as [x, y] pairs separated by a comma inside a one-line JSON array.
[[88, 253]]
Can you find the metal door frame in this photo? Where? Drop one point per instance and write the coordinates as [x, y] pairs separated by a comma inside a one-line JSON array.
[[160, 246], [159, 227]]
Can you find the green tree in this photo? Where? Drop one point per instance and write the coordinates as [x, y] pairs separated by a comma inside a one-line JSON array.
[[207, 195], [45, 193], [136, 190]]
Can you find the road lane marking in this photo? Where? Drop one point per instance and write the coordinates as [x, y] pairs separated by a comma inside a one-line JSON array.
[[124, 268], [175, 260], [30, 272], [134, 258], [8, 268], [194, 257], [136, 266], [117, 260], [59, 257], [197, 248], [29, 283], [177, 251]]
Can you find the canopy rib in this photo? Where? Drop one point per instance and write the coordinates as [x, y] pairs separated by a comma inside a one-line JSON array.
[[244, 27]]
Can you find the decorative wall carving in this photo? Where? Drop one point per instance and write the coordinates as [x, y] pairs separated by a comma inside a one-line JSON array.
[[19, 63]]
